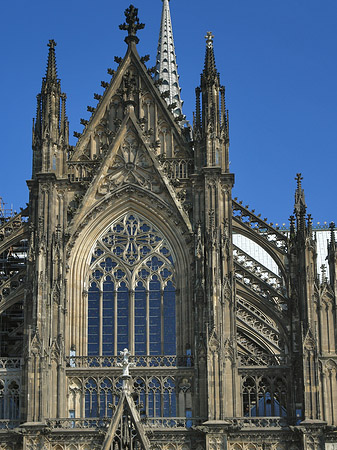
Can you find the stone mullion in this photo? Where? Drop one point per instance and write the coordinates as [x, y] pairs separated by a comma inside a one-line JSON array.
[[323, 395], [331, 329], [162, 320], [147, 320], [327, 327], [324, 339], [115, 320], [100, 338], [132, 321], [332, 375]]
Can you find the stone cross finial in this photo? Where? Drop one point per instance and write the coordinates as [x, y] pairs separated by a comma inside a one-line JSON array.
[[132, 24], [209, 39]]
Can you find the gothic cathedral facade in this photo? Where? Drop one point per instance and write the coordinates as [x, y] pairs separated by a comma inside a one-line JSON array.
[[130, 316]]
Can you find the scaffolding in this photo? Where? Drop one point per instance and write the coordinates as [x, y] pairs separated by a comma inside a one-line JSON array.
[[5, 213], [13, 259]]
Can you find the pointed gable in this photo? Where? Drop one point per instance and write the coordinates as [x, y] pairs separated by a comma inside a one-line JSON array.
[[132, 138], [132, 85], [126, 429]]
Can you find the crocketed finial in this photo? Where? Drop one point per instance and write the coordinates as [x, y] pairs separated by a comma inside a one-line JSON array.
[[210, 73], [299, 179], [209, 39], [132, 24]]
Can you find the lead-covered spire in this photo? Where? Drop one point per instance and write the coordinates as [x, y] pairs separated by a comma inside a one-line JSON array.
[[166, 65]]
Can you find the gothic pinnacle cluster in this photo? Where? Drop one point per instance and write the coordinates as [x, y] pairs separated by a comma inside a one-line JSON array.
[[211, 127], [51, 127]]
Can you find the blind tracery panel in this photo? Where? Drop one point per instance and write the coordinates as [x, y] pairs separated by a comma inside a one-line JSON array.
[[131, 295]]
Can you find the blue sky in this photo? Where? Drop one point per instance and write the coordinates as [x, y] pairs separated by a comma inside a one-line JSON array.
[[277, 59]]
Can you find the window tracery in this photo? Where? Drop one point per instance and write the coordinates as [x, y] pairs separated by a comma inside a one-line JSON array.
[[264, 396], [131, 295]]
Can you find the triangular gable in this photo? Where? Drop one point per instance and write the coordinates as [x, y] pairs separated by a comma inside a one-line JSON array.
[[131, 81], [126, 427], [130, 161]]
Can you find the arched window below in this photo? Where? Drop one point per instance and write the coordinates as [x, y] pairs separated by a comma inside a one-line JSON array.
[[131, 294]]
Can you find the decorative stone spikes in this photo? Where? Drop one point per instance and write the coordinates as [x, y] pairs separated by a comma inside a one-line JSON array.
[[166, 64], [300, 206]]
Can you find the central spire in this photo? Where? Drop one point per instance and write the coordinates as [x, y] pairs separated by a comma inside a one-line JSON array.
[[166, 65]]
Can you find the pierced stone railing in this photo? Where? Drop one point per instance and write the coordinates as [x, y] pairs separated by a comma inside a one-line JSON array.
[[262, 228], [260, 287], [263, 359], [257, 269], [81, 171], [12, 232], [10, 285], [170, 422], [87, 423], [260, 422], [8, 424], [177, 168], [10, 363], [148, 361], [257, 323], [12, 225]]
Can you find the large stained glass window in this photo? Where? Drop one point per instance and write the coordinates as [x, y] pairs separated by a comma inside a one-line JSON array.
[[131, 293]]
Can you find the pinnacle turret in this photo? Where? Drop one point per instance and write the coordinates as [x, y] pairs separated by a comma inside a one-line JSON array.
[[51, 128], [211, 118], [166, 65], [210, 73], [300, 205]]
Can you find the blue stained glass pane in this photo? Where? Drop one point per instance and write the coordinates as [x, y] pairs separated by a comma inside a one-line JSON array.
[[169, 320], [140, 320], [105, 399], [145, 228], [122, 317], [108, 317], [91, 400], [93, 319], [169, 399], [155, 317]]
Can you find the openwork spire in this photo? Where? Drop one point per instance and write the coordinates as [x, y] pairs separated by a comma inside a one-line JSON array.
[[166, 65]]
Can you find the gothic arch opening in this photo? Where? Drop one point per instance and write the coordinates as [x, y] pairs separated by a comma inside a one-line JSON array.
[[131, 290]]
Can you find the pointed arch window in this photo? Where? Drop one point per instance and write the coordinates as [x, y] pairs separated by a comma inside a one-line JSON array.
[[131, 294]]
